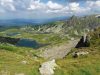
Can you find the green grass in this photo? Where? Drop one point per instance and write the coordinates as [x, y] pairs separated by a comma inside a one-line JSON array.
[[83, 65], [12, 64], [89, 65], [12, 56], [21, 50], [51, 38]]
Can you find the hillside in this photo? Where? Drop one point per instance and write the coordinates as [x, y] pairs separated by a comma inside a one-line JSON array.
[[58, 37], [88, 64]]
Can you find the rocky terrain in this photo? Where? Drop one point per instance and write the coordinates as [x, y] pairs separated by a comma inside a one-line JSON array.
[[73, 26]]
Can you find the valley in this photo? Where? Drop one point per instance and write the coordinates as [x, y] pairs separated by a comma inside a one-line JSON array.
[[52, 41]]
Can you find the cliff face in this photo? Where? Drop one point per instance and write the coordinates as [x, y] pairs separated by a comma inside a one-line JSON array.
[[84, 42], [9, 40]]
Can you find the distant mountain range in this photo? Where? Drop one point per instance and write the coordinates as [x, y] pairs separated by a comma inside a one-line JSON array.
[[72, 26], [18, 22]]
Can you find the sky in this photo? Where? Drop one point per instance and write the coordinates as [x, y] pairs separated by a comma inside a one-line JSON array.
[[42, 9]]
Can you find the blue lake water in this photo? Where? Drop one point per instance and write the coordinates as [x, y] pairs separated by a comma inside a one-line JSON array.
[[29, 43], [22, 42]]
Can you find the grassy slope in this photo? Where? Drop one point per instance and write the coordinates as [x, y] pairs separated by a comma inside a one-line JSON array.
[[87, 65], [11, 64], [11, 57], [83, 65]]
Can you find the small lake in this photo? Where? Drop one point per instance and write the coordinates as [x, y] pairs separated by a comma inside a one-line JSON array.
[[22, 42], [29, 43]]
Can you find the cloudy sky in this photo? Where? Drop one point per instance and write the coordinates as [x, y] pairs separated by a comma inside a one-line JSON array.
[[40, 9]]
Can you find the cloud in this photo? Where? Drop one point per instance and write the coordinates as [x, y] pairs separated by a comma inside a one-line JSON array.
[[34, 8], [7, 5], [77, 9], [94, 6], [54, 6], [93, 3], [39, 5], [74, 6], [70, 9], [35, 5]]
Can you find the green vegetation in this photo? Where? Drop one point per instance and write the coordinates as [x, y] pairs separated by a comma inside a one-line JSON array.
[[12, 63], [83, 65], [21, 60], [49, 38]]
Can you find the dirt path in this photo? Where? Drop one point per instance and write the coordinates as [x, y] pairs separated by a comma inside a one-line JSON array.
[[59, 51]]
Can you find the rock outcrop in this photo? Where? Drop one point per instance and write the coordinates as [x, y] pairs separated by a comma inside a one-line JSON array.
[[47, 68], [84, 42], [77, 54]]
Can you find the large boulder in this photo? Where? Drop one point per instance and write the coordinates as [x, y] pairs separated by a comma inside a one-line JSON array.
[[80, 53], [84, 42], [47, 68]]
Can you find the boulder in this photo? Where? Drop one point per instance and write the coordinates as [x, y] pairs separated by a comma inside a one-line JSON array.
[[24, 62], [47, 68], [77, 54], [84, 42]]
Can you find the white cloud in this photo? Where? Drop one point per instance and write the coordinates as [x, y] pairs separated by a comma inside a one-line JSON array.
[[36, 5], [44, 6], [77, 9], [32, 7], [93, 3], [54, 6], [74, 6], [97, 3], [7, 5], [50, 6], [94, 6]]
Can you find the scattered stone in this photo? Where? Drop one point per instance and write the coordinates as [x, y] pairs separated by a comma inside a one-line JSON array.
[[97, 16], [48, 68], [72, 39], [77, 54], [24, 62], [19, 74]]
